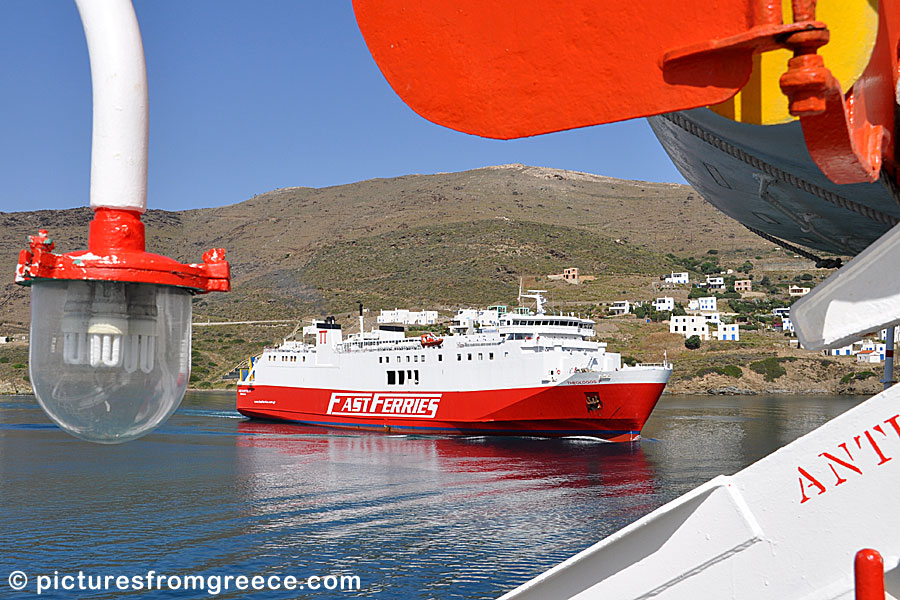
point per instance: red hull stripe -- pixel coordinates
(611, 411)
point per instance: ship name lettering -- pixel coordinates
(399, 404)
(848, 462)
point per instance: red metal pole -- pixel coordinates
(868, 570)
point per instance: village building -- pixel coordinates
(883, 335)
(712, 318)
(730, 332)
(620, 307)
(664, 304)
(743, 285)
(678, 278)
(787, 325)
(688, 325)
(715, 283)
(871, 352)
(848, 350)
(796, 290)
(572, 275)
(705, 304)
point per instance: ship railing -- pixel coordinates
(480, 343)
(381, 345)
(663, 365)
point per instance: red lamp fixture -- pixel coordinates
(111, 327)
(110, 347)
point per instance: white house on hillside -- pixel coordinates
(664, 304)
(620, 307)
(705, 304)
(689, 325)
(848, 350)
(715, 283)
(731, 333)
(712, 318)
(883, 335)
(678, 278)
(871, 352)
(787, 324)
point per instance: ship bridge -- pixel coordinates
(518, 326)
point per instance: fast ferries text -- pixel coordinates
(415, 406)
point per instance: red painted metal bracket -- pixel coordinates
(761, 38)
(844, 145)
(116, 253)
(846, 149)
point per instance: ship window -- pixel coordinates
(480, 356)
(392, 376)
(416, 358)
(459, 357)
(387, 359)
(409, 377)
(440, 358)
(423, 358)
(407, 358)
(470, 356)
(400, 376)
(399, 359)
(505, 354)
(491, 356)
(417, 376)
(380, 359)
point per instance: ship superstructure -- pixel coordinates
(535, 374)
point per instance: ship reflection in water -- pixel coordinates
(413, 517)
(472, 512)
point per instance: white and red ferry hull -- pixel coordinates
(612, 411)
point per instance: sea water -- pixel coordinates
(212, 495)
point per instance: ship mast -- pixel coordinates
(538, 298)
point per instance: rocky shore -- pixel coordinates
(825, 376)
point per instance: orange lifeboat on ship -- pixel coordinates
(429, 340)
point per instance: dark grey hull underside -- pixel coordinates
(764, 177)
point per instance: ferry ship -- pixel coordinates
(533, 374)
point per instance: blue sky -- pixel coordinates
(247, 97)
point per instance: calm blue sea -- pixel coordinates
(213, 494)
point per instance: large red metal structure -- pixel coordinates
(514, 68)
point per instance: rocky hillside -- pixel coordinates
(438, 239)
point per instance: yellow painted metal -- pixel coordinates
(853, 25)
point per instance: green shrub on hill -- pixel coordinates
(770, 368)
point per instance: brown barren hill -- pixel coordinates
(440, 240)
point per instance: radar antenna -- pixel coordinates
(537, 296)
